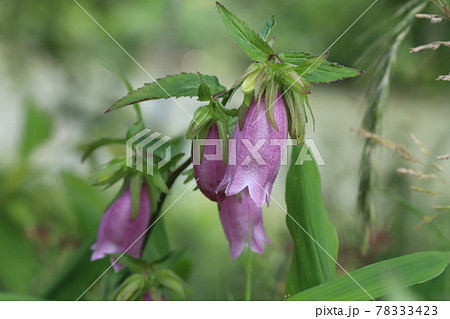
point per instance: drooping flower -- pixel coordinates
(210, 172)
(259, 150)
(118, 231)
(239, 215)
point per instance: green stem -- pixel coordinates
(248, 286)
(137, 109)
(170, 181)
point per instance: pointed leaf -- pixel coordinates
(255, 47)
(327, 71)
(204, 93)
(267, 27)
(180, 85)
(313, 235)
(406, 270)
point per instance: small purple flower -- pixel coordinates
(117, 232)
(238, 214)
(209, 172)
(259, 150)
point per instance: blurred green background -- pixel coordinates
(55, 89)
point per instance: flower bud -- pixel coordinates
(239, 215)
(118, 232)
(209, 172)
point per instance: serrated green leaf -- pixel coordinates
(309, 227)
(180, 85)
(295, 58)
(327, 71)
(407, 270)
(267, 27)
(255, 47)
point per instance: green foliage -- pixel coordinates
(375, 279)
(89, 149)
(38, 128)
(307, 219)
(326, 72)
(204, 93)
(180, 85)
(19, 263)
(78, 274)
(256, 48)
(267, 27)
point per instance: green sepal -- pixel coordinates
(189, 173)
(134, 265)
(310, 111)
(270, 99)
(296, 115)
(311, 65)
(222, 127)
(157, 181)
(135, 190)
(243, 109)
(260, 85)
(169, 259)
(109, 173)
(214, 112)
(252, 68)
(169, 280)
(202, 134)
(202, 117)
(295, 82)
(204, 92)
(133, 288)
(248, 85)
